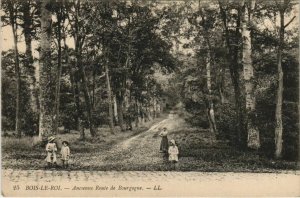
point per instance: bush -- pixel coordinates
(265, 121)
(67, 117)
(30, 124)
(197, 114)
(100, 115)
(226, 121)
(290, 131)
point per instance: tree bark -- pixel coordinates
(115, 108)
(110, 103)
(46, 87)
(279, 96)
(28, 61)
(221, 85)
(12, 13)
(298, 162)
(136, 107)
(253, 140)
(81, 130)
(75, 90)
(210, 109)
(120, 112)
(87, 97)
(93, 87)
(58, 73)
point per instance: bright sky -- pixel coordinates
(7, 42)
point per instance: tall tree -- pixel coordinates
(59, 30)
(210, 107)
(46, 81)
(79, 30)
(282, 6)
(13, 12)
(28, 9)
(232, 38)
(247, 22)
(110, 101)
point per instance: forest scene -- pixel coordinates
(117, 80)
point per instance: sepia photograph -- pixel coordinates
(156, 98)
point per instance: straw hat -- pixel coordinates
(51, 138)
(172, 141)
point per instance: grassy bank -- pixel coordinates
(24, 153)
(106, 152)
(200, 153)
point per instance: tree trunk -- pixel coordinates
(115, 108)
(154, 108)
(58, 76)
(28, 61)
(210, 109)
(120, 112)
(279, 97)
(136, 113)
(81, 130)
(13, 22)
(110, 103)
(75, 88)
(79, 41)
(253, 140)
(222, 97)
(232, 53)
(46, 87)
(298, 162)
(93, 87)
(221, 85)
(86, 96)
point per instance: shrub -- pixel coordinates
(226, 121)
(265, 120)
(290, 131)
(197, 113)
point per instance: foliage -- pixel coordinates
(157, 54)
(29, 117)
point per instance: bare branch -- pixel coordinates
(290, 22)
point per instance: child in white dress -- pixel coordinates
(173, 153)
(51, 152)
(65, 154)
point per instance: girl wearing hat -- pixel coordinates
(51, 151)
(164, 141)
(173, 152)
(65, 153)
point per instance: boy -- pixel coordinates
(65, 153)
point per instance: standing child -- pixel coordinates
(173, 153)
(164, 141)
(65, 154)
(51, 152)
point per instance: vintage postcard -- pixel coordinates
(150, 98)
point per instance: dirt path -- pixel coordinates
(142, 149)
(140, 152)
